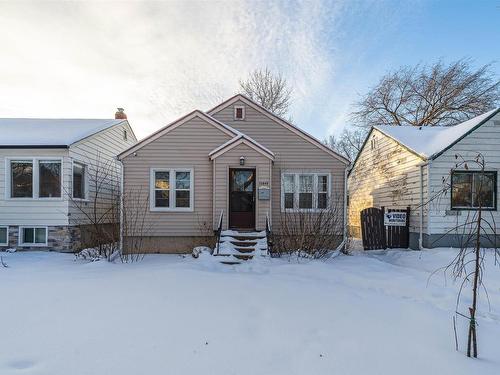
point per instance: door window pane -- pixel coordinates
(243, 181)
(305, 191)
(3, 235)
(79, 171)
(49, 179)
(461, 189)
(21, 179)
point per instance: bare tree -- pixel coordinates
(269, 90)
(348, 143)
(478, 237)
(98, 215)
(429, 95)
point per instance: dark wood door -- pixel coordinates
(242, 198)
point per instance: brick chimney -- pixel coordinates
(120, 114)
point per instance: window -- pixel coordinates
(469, 190)
(22, 179)
(162, 189)
(4, 236)
(125, 135)
(305, 191)
(35, 178)
(239, 112)
(172, 189)
(322, 192)
(288, 190)
(34, 236)
(79, 180)
(49, 178)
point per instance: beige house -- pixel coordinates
(237, 161)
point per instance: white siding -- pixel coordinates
(387, 175)
(100, 151)
(27, 211)
(485, 139)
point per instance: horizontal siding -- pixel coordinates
(99, 152)
(388, 176)
(231, 159)
(186, 146)
(32, 211)
(292, 152)
(485, 139)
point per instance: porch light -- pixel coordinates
(242, 160)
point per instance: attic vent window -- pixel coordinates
(239, 112)
(125, 135)
(373, 143)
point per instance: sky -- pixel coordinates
(160, 60)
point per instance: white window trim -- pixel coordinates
(172, 189)
(242, 107)
(296, 192)
(24, 244)
(7, 237)
(35, 180)
(86, 181)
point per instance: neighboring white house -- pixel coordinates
(400, 166)
(44, 170)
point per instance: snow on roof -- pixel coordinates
(49, 132)
(428, 141)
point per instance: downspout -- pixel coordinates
(421, 224)
(121, 205)
(346, 172)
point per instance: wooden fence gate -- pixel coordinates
(382, 229)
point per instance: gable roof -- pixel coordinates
(306, 136)
(196, 113)
(49, 133)
(431, 141)
(239, 139)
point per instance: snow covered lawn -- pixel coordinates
(371, 313)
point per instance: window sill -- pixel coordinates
(33, 244)
(304, 210)
(473, 209)
(35, 199)
(157, 209)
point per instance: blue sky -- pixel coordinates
(160, 60)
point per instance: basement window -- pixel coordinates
(33, 236)
(4, 236)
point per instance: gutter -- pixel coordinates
(33, 146)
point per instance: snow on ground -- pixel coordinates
(372, 313)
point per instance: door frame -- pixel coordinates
(229, 186)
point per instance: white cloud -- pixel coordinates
(156, 59)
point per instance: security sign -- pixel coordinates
(395, 219)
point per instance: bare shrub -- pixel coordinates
(134, 228)
(310, 233)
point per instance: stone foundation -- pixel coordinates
(59, 238)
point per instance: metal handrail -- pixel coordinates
(268, 234)
(218, 232)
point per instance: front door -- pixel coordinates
(242, 198)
